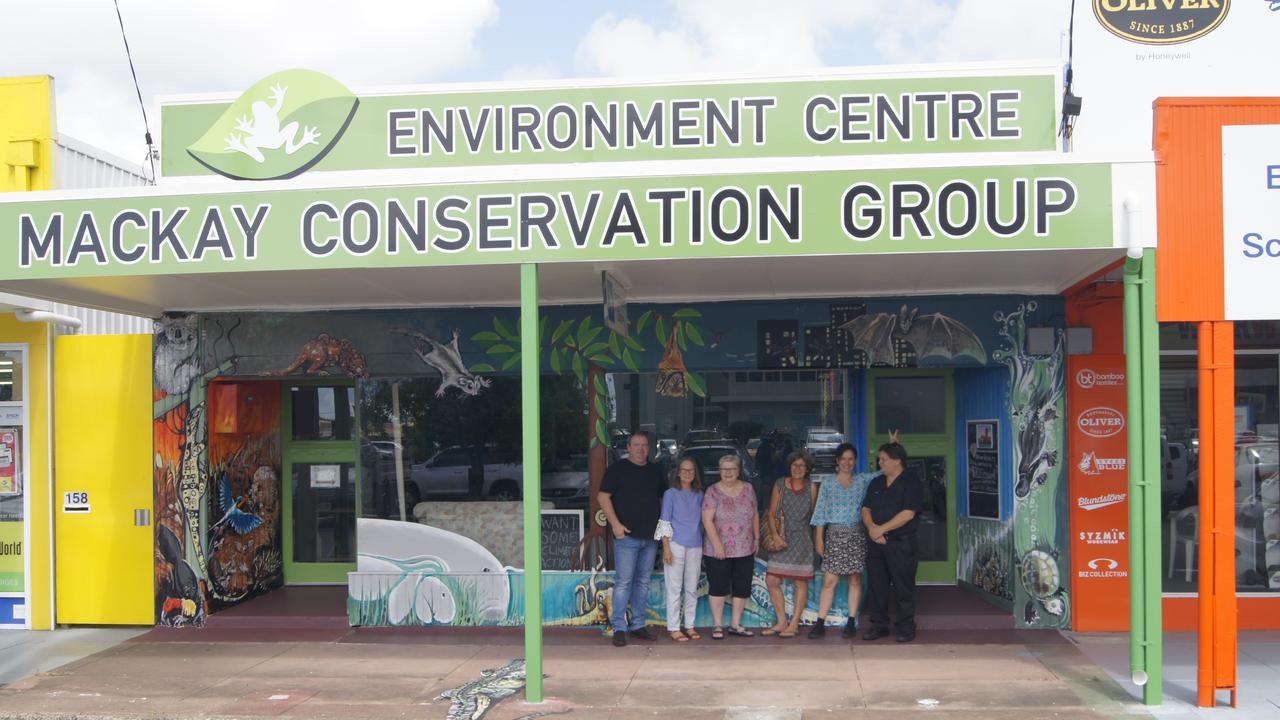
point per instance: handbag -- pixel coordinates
(775, 542)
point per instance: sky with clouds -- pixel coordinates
(184, 46)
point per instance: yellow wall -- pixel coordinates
(26, 133)
(35, 335)
(26, 163)
(102, 446)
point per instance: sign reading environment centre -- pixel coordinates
(296, 120)
(1251, 221)
(833, 212)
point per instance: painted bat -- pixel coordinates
(931, 335)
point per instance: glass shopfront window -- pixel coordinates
(455, 462)
(1257, 458)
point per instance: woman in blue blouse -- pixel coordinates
(839, 537)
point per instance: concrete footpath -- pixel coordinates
(394, 674)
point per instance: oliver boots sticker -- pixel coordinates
(278, 128)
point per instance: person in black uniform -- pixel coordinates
(894, 498)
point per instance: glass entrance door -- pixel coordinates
(320, 500)
(921, 404)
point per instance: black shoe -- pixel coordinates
(850, 628)
(644, 633)
(819, 629)
(875, 633)
(619, 638)
(906, 635)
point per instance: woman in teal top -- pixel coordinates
(840, 538)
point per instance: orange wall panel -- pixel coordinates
(1188, 146)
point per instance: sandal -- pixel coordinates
(717, 633)
(678, 636)
(788, 633)
(692, 634)
(773, 630)
(740, 631)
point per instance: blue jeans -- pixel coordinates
(633, 560)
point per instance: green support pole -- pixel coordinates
(1142, 365)
(1133, 386)
(1153, 691)
(531, 439)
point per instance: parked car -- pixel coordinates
(566, 482)
(705, 437)
(460, 472)
(667, 448)
(821, 443)
(708, 457)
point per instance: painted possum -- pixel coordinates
(446, 359)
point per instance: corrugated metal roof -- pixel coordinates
(1188, 145)
(79, 166)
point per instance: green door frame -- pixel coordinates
(312, 451)
(934, 444)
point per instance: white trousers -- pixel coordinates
(682, 585)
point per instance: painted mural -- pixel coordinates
(430, 382)
(1036, 404)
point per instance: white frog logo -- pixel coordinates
(264, 131)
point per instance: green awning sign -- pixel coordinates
(298, 119)
(834, 212)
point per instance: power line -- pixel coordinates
(151, 153)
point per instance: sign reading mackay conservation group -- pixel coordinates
(835, 212)
(294, 120)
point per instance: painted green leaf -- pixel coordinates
(504, 331)
(602, 406)
(694, 334)
(601, 388)
(278, 128)
(555, 360)
(561, 330)
(511, 362)
(482, 367)
(678, 329)
(595, 348)
(661, 329)
(602, 431)
(633, 343)
(579, 368)
(542, 330)
(696, 383)
(602, 359)
(486, 336)
(614, 346)
(594, 441)
(686, 314)
(630, 361)
(643, 321)
(499, 349)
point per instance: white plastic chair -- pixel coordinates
(1189, 542)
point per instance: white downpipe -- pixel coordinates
(47, 316)
(1133, 236)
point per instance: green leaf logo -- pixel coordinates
(278, 128)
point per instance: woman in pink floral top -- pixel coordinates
(729, 545)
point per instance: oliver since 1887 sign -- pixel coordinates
(1160, 22)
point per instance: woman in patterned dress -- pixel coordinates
(793, 497)
(729, 544)
(839, 537)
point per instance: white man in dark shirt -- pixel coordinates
(631, 497)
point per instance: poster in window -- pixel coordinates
(983, 468)
(10, 477)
